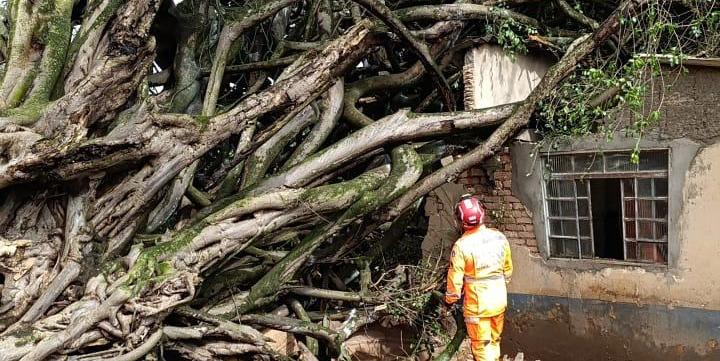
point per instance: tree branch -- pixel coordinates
(333, 295)
(296, 326)
(330, 110)
(312, 344)
(576, 15)
(398, 127)
(461, 12)
(521, 115)
(230, 33)
(143, 349)
(386, 15)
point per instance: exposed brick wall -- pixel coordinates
(491, 182)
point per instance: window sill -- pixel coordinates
(599, 263)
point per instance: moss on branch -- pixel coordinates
(152, 264)
(406, 169)
(56, 44)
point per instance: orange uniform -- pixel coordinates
(480, 267)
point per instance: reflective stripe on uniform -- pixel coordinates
(471, 280)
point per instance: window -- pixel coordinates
(601, 205)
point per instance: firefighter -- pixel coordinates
(480, 267)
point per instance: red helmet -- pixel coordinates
(469, 211)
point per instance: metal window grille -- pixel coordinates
(645, 228)
(644, 203)
(569, 218)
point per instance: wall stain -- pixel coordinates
(545, 328)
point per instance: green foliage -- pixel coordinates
(583, 103)
(575, 108)
(417, 306)
(510, 34)
(581, 106)
(665, 30)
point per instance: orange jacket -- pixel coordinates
(480, 267)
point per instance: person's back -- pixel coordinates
(480, 266)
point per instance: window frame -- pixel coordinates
(577, 218)
(580, 177)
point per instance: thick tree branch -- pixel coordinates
(330, 109)
(399, 127)
(461, 12)
(521, 115)
(259, 162)
(405, 171)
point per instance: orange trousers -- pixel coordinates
(484, 333)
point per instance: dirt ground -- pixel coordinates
(464, 353)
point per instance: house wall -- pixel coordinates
(673, 310)
(690, 95)
(611, 310)
(561, 309)
(492, 78)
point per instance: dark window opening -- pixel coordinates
(607, 218)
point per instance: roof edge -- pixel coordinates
(690, 60)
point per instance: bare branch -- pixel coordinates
(401, 126)
(333, 295)
(296, 326)
(577, 15)
(312, 344)
(228, 36)
(260, 65)
(386, 15)
(143, 349)
(330, 108)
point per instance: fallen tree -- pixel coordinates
(173, 176)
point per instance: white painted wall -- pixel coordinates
(493, 77)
